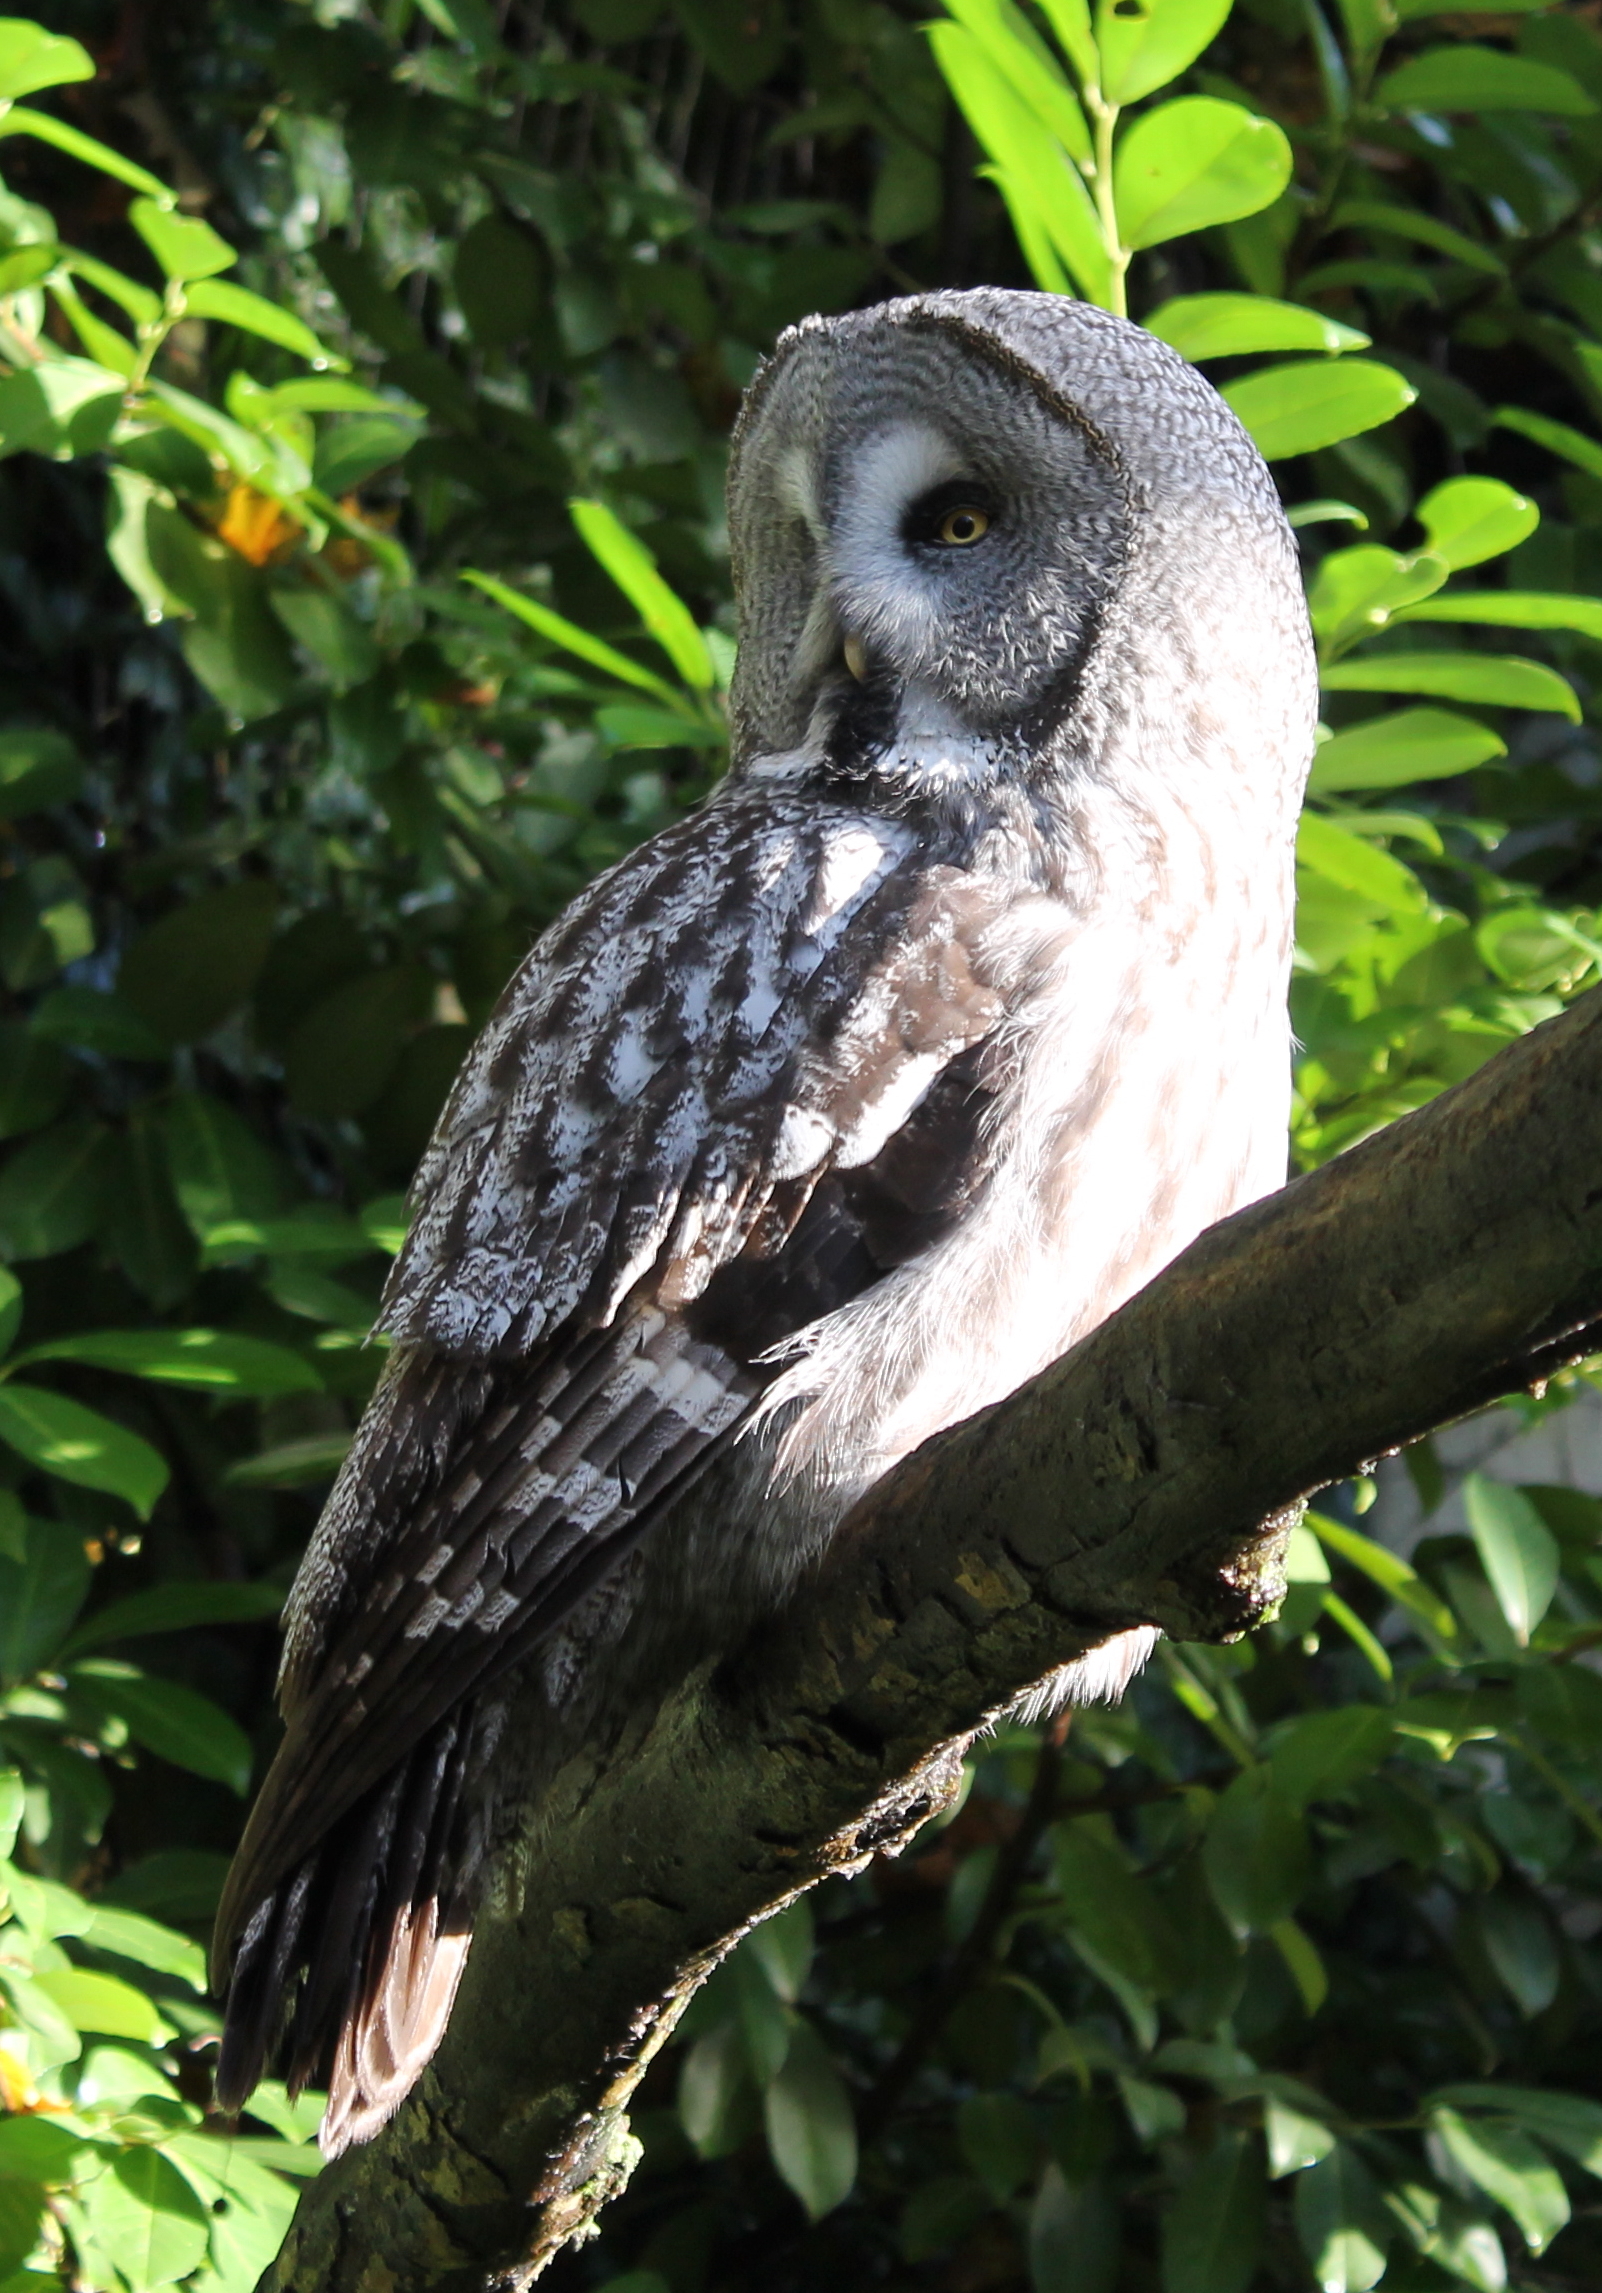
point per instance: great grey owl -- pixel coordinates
(829, 1115)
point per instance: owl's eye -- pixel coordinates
(954, 516)
(961, 526)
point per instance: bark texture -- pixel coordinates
(1145, 1478)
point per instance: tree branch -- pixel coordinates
(1142, 1479)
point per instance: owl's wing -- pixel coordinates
(725, 1093)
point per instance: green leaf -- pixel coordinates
(713, 2079)
(291, 1464)
(1356, 866)
(220, 1170)
(210, 1360)
(90, 1019)
(1517, 1551)
(812, 2135)
(144, 2211)
(1341, 2224)
(1225, 326)
(1073, 2235)
(1255, 1854)
(631, 565)
(1012, 47)
(220, 300)
(1425, 229)
(1570, 2122)
(129, 1935)
(344, 1051)
(627, 725)
(1498, 679)
(1294, 2140)
(1511, 609)
(1320, 1755)
(1358, 590)
(1051, 209)
(1195, 162)
(1212, 2230)
(1522, 1950)
(173, 1608)
(51, 1190)
(1468, 78)
(31, 57)
(1453, 1718)
(38, 767)
(783, 1945)
(338, 641)
(184, 246)
(1145, 46)
(79, 1445)
(41, 1591)
(1392, 751)
(352, 452)
(10, 1307)
(63, 406)
(102, 2003)
(19, 120)
(1000, 2141)
(572, 639)
(33, 1079)
(174, 1722)
(1388, 1570)
(1467, 520)
(1112, 1909)
(1300, 409)
(1510, 2169)
(187, 973)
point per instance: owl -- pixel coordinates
(830, 1115)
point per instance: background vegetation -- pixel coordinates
(1287, 1974)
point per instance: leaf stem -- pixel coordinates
(1104, 118)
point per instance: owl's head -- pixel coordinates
(945, 511)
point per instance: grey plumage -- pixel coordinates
(830, 1115)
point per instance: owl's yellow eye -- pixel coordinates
(962, 526)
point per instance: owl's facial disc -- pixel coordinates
(923, 543)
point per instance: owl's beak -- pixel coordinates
(856, 658)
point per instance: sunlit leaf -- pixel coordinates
(1298, 409)
(184, 245)
(1507, 2165)
(1467, 520)
(1194, 162)
(220, 299)
(1143, 47)
(1224, 326)
(79, 1445)
(1393, 751)
(209, 1360)
(102, 2003)
(1341, 2224)
(31, 57)
(1499, 679)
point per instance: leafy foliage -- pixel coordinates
(361, 525)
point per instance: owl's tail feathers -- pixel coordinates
(345, 1973)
